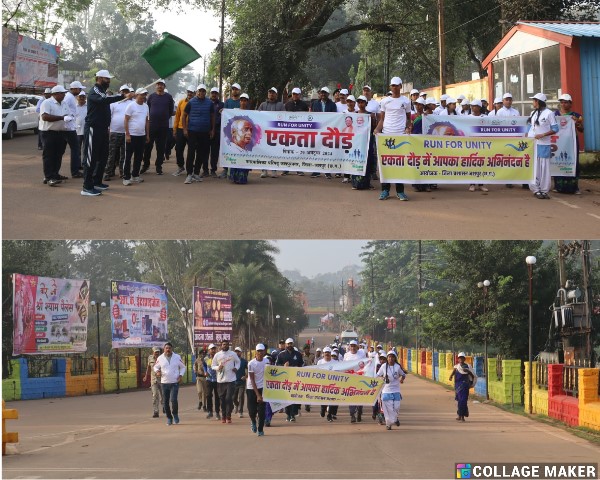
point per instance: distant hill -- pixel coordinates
(322, 288)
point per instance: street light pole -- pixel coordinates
(432, 351)
(93, 303)
(485, 284)
(530, 260)
(402, 327)
(222, 48)
(277, 317)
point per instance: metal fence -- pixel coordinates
(123, 363)
(41, 366)
(570, 380)
(81, 365)
(541, 375)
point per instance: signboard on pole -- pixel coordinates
(213, 319)
(138, 313)
(50, 315)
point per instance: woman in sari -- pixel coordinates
(393, 376)
(464, 379)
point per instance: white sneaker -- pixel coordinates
(483, 189)
(137, 179)
(263, 175)
(188, 180)
(178, 172)
(345, 180)
(196, 178)
(126, 182)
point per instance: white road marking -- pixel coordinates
(564, 202)
(595, 216)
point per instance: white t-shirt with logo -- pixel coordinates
(137, 118)
(258, 368)
(395, 110)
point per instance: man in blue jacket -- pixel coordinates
(199, 128)
(95, 135)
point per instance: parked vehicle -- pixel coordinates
(18, 113)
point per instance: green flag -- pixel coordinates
(169, 55)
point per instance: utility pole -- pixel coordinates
(442, 46)
(222, 47)
(561, 264)
(343, 298)
(585, 260)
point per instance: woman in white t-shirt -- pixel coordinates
(136, 136)
(393, 376)
(543, 124)
(254, 389)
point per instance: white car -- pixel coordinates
(18, 113)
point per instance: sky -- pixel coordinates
(194, 26)
(312, 257)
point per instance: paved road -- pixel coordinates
(275, 208)
(113, 436)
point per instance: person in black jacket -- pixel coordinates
(95, 134)
(290, 357)
(323, 104)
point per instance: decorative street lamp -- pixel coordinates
(402, 327)
(277, 317)
(530, 260)
(432, 351)
(484, 285)
(250, 314)
(98, 306)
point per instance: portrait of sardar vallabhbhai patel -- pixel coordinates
(242, 134)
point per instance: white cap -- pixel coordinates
(351, 98)
(259, 346)
(273, 89)
(124, 87)
(476, 102)
(81, 94)
(237, 349)
(191, 88)
(76, 84)
(391, 352)
(497, 100)
(482, 100)
(141, 90)
(465, 101)
(324, 89)
(444, 97)
(450, 100)
(420, 100)
(506, 95)
(539, 96)
(212, 345)
(353, 342)
(201, 87)
(413, 91)
(461, 97)
(319, 349)
(245, 95)
(160, 80)
(362, 97)
(379, 345)
(423, 94)
(104, 74)
(214, 89)
(429, 100)
(236, 85)
(289, 340)
(48, 90)
(396, 81)
(296, 90)
(367, 87)
(462, 354)
(344, 91)
(327, 349)
(58, 89)
(334, 353)
(566, 97)
(155, 349)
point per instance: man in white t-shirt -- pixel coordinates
(136, 128)
(75, 88)
(442, 106)
(355, 354)
(116, 138)
(372, 104)
(226, 364)
(81, 113)
(170, 369)
(341, 105)
(254, 389)
(507, 109)
(394, 119)
(330, 410)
